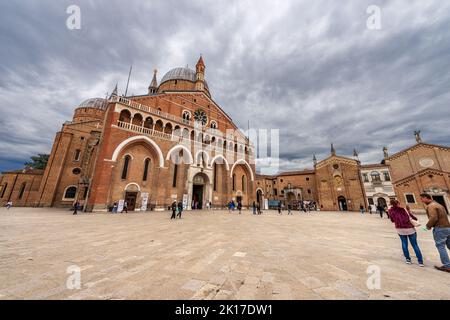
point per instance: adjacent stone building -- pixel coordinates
(377, 183)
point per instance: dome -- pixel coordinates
(179, 74)
(95, 103)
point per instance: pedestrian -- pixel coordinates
(438, 221)
(9, 205)
(380, 209)
(75, 208)
(239, 206)
(174, 210)
(361, 208)
(258, 208)
(115, 208)
(208, 206)
(279, 207)
(125, 207)
(254, 207)
(289, 206)
(403, 220)
(180, 209)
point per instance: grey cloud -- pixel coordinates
(311, 69)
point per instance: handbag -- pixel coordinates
(413, 222)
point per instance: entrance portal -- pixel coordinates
(342, 204)
(130, 198)
(197, 197)
(441, 201)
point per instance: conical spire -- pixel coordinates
(315, 159)
(115, 91)
(200, 61)
(333, 150)
(154, 84)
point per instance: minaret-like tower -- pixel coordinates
(200, 75)
(153, 89)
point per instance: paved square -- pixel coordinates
(209, 255)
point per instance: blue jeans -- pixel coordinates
(413, 239)
(442, 239)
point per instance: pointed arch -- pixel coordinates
(146, 139)
(205, 153)
(184, 148)
(245, 163)
(225, 161)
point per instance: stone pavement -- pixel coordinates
(210, 255)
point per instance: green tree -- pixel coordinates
(38, 162)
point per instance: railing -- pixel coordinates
(147, 131)
(148, 109)
(174, 138)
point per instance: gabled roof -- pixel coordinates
(417, 146)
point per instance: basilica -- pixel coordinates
(175, 143)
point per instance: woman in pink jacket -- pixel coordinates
(406, 230)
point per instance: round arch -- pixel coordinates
(242, 161)
(132, 184)
(178, 147)
(125, 143)
(219, 156)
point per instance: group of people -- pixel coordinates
(232, 206)
(177, 210)
(256, 208)
(303, 206)
(406, 224)
(115, 208)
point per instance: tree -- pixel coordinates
(38, 162)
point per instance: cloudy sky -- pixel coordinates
(312, 69)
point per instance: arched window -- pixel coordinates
(186, 115)
(146, 169)
(125, 116)
(22, 190)
(126, 165)
(70, 193)
(243, 184)
(375, 176)
(138, 120)
(148, 123)
(5, 186)
(234, 182)
(213, 125)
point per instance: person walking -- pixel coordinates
(258, 208)
(125, 207)
(9, 205)
(289, 206)
(254, 207)
(439, 222)
(180, 209)
(361, 209)
(279, 207)
(402, 219)
(380, 210)
(75, 208)
(239, 206)
(174, 210)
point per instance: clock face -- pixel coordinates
(201, 116)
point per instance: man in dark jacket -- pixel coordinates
(438, 221)
(180, 209)
(174, 210)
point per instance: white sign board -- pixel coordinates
(144, 201)
(120, 207)
(185, 201)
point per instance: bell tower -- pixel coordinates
(200, 75)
